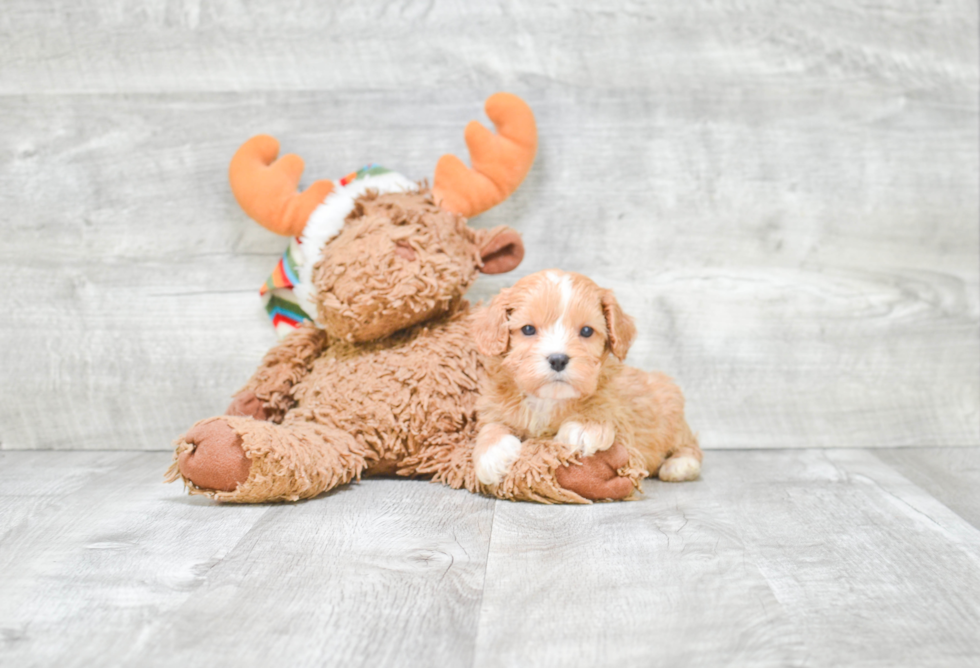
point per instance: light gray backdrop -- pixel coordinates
(785, 195)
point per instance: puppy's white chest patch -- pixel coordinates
(539, 413)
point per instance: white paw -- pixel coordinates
(494, 464)
(679, 469)
(586, 439)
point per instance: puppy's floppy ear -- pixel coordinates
(621, 328)
(490, 328)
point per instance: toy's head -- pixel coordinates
(401, 254)
(553, 331)
(399, 260)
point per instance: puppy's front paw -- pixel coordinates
(586, 438)
(496, 460)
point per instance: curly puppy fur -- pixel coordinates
(555, 342)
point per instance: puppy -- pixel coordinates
(554, 346)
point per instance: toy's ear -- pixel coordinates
(621, 327)
(490, 327)
(501, 249)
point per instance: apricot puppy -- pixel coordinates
(555, 344)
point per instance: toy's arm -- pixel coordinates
(269, 393)
(551, 470)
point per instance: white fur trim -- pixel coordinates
(494, 464)
(679, 469)
(327, 220)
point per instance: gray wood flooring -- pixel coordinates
(785, 195)
(806, 557)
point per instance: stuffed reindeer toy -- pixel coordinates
(377, 372)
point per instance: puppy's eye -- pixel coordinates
(528, 330)
(586, 331)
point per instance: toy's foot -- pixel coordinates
(595, 477)
(246, 404)
(217, 460)
(679, 469)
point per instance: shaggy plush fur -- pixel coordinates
(555, 343)
(394, 403)
(373, 395)
(389, 385)
(431, 252)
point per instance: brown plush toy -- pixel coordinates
(378, 373)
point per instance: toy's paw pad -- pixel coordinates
(217, 460)
(679, 469)
(246, 404)
(595, 477)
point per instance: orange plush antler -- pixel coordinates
(500, 161)
(266, 188)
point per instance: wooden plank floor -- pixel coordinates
(774, 558)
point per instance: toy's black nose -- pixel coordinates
(558, 361)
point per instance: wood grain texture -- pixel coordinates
(383, 573)
(871, 568)
(774, 558)
(94, 549)
(785, 197)
(817, 558)
(225, 45)
(99, 562)
(952, 475)
(659, 582)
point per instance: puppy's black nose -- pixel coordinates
(558, 361)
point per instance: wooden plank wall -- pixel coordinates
(785, 196)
